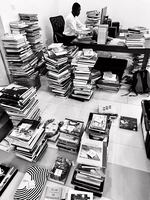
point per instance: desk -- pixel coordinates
(128, 169)
(115, 48)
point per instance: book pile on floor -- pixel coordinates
(93, 18)
(98, 126)
(109, 82)
(21, 59)
(29, 140)
(59, 70)
(83, 63)
(32, 30)
(89, 174)
(20, 102)
(60, 170)
(70, 135)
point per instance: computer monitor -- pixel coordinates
(103, 14)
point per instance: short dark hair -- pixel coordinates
(76, 6)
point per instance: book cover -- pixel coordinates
(91, 153)
(128, 123)
(98, 122)
(32, 184)
(53, 193)
(79, 195)
(60, 170)
(6, 175)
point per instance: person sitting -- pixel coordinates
(73, 26)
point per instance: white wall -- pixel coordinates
(44, 8)
(128, 13)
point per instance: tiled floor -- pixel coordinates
(128, 170)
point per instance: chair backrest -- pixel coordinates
(58, 24)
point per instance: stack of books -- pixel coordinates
(98, 126)
(18, 27)
(20, 57)
(59, 71)
(32, 30)
(93, 18)
(83, 63)
(60, 170)
(70, 135)
(29, 140)
(109, 82)
(20, 102)
(89, 174)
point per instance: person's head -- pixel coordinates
(76, 9)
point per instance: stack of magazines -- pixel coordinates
(59, 71)
(20, 102)
(70, 135)
(32, 30)
(18, 27)
(98, 126)
(83, 63)
(29, 140)
(89, 174)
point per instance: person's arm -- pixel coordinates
(79, 24)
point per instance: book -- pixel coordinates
(98, 122)
(6, 175)
(60, 170)
(79, 195)
(32, 184)
(91, 153)
(128, 123)
(53, 193)
(51, 130)
(73, 127)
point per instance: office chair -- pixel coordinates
(58, 24)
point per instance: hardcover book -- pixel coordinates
(79, 195)
(53, 193)
(60, 170)
(6, 175)
(128, 123)
(32, 184)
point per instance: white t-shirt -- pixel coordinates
(73, 26)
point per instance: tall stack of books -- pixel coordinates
(109, 82)
(59, 71)
(29, 140)
(83, 63)
(93, 18)
(20, 102)
(21, 59)
(70, 135)
(89, 174)
(32, 30)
